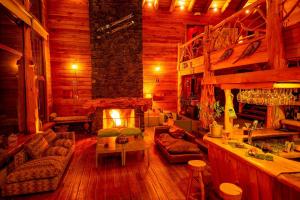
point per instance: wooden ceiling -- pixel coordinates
(198, 7)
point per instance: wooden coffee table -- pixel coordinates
(137, 145)
(113, 147)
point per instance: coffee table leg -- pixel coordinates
(124, 158)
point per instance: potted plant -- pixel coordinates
(215, 128)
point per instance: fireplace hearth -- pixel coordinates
(118, 112)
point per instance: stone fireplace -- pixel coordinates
(117, 69)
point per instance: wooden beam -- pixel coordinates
(172, 6)
(204, 9)
(289, 74)
(224, 7)
(19, 10)
(10, 50)
(233, 6)
(276, 48)
(156, 4)
(191, 5)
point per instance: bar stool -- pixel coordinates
(196, 166)
(229, 191)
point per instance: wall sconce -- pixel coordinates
(157, 69)
(75, 95)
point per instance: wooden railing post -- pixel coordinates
(179, 87)
(207, 88)
(276, 50)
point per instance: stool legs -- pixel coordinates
(201, 186)
(188, 194)
(189, 184)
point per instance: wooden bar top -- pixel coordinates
(273, 168)
(261, 133)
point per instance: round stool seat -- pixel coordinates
(230, 191)
(197, 164)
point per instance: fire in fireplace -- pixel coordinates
(113, 118)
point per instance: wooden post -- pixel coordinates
(179, 84)
(228, 105)
(276, 50)
(32, 117)
(207, 89)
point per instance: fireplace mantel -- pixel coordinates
(119, 103)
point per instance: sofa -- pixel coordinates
(176, 145)
(40, 164)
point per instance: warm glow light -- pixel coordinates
(74, 66)
(150, 4)
(247, 11)
(148, 95)
(157, 68)
(181, 7)
(215, 9)
(115, 115)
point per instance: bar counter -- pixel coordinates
(259, 179)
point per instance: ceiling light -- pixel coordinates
(150, 4)
(215, 9)
(181, 7)
(247, 11)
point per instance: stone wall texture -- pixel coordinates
(117, 69)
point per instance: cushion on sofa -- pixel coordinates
(49, 135)
(177, 132)
(165, 139)
(20, 158)
(67, 143)
(56, 151)
(36, 146)
(108, 132)
(182, 146)
(45, 167)
(130, 131)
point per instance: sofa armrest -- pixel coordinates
(66, 135)
(189, 136)
(160, 129)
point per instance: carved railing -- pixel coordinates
(191, 49)
(290, 12)
(247, 24)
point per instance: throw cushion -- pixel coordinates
(182, 146)
(177, 132)
(49, 135)
(36, 146)
(20, 158)
(108, 132)
(63, 143)
(56, 151)
(45, 167)
(131, 131)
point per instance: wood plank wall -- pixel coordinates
(69, 34)
(68, 23)
(162, 31)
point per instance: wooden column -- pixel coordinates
(207, 89)
(32, 119)
(276, 50)
(228, 105)
(179, 80)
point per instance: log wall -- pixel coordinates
(69, 34)
(162, 31)
(68, 23)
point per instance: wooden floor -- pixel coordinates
(111, 181)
